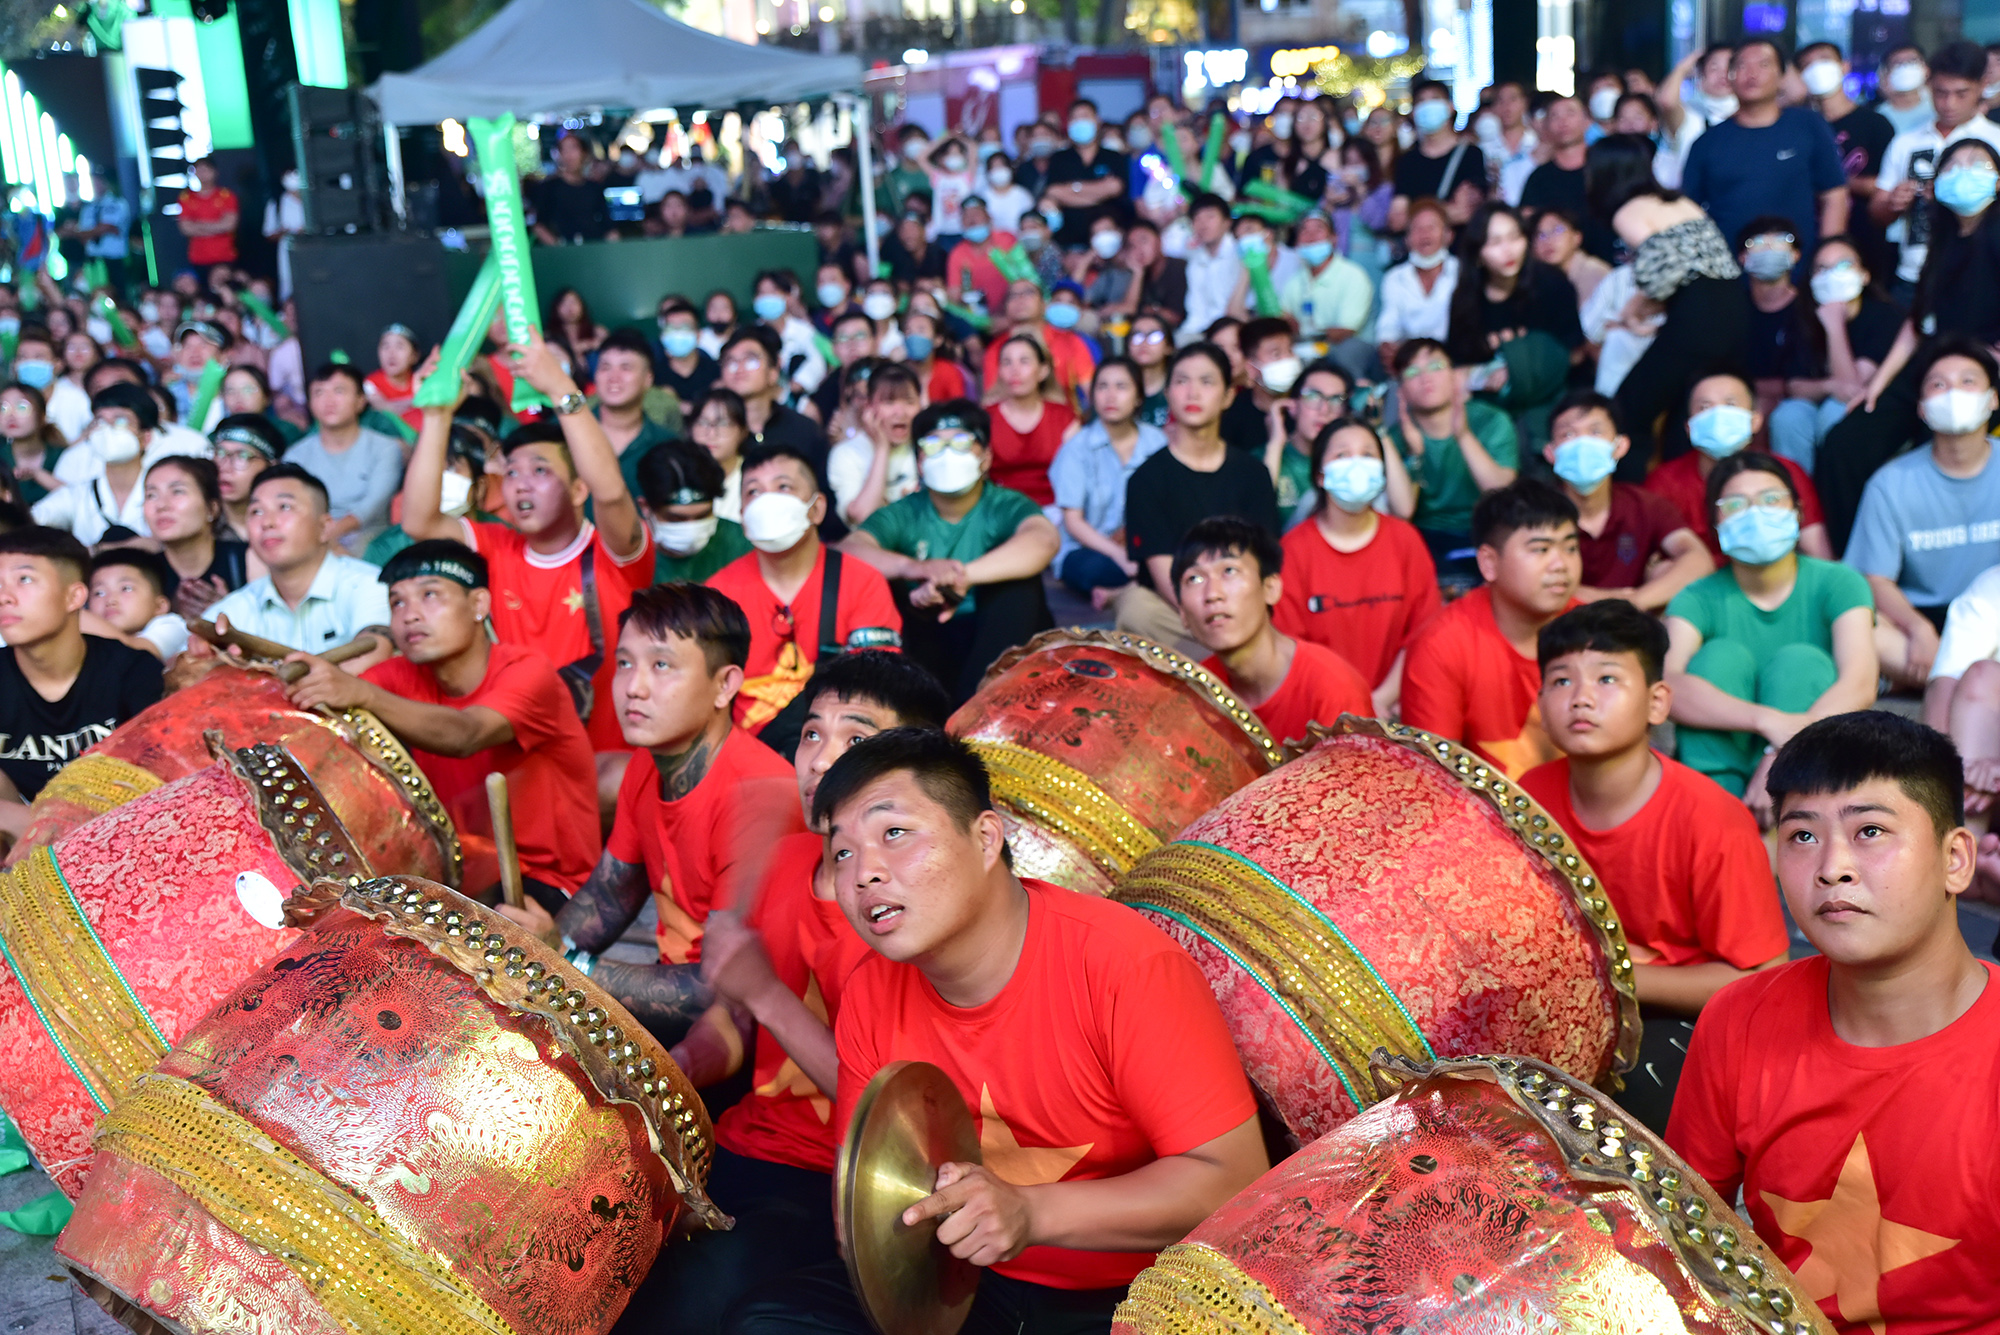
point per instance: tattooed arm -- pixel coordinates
(596, 915)
(666, 998)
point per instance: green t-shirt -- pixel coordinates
(1715, 606)
(912, 527)
(1295, 482)
(1153, 411)
(1446, 491)
(650, 434)
(727, 544)
(32, 492)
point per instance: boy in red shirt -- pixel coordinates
(208, 218)
(562, 583)
(1227, 575)
(1112, 1109)
(1679, 856)
(781, 587)
(467, 707)
(780, 977)
(1471, 675)
(701, 806)
(1853, 1095)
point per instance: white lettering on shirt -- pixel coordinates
(66, 747)
(1956, 535)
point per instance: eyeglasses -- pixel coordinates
(1150, 337)
(237, 456)
(1772, 241)
(938, 441)
(1416, 369)
(1731, 506)
(848, 340)
(750, 363)
(1316, 396)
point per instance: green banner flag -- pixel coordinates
(440, 388)
(205, 391)
(259, 308)
(493, 140)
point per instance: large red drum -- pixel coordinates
(1491, 1195)
(378, 792)
(1390, 889)
(418, 1120)
(128, 930)
(1100, 745)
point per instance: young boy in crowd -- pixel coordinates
(700, 807)
(1062, 1019)
(1471, 674)
(795, 590)
(779, 969)
(1831, 1090)
(60, 690)
(1227, 572)
(965, 554)
(1680, 858)
(1635, 545)
(128, 597)
(467, 707)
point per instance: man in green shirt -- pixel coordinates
(1457, 449)
(624, 376)
(964, 556)
(679, 484)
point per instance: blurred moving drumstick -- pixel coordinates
(256, 646)
(503, 839)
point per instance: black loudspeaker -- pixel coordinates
(337, 143)
(349, 287)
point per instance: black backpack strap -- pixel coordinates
(829, 607)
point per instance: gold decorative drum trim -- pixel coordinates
(97, 783)
(387, 754)
(1086, 815)
(1193, 1289)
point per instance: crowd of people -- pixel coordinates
(1663, 403)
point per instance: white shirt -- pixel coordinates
(168, 634)
(1971, 627)
(88, 508)
(1211, 282)
(1619, 349)
(345, 598)
(1511, 169)
(1916, 153)
(1006, 207)
(847, 465)
(1407, 311)
(80, 463)
(69, 407)
(796, 338)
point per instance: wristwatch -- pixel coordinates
(569, 404)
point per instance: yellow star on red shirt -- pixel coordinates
(573, 600)
(1853, 1246)
(1010, 1160)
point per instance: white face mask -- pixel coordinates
(114, 444)
(1958, 411)
(878, 305)
(1487, 126)
(1279, 375)
(1240, 142)
(1604, 104)
(1430, 261)
(1001, 176)
(1821, 77)
(685, 537)
(1106, 244)
(1840, 283)
(1906, 77)
(455, 494)
(1281, 126)
(951, 472)
(775, 521)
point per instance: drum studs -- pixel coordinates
(1694, 1208)
(646, 1068)
(1539, 821)
(573, 1000)
(515, 954)
(1697, 1235)
(1725, 1239)
(288, 786)
(1754, 1299)
(475, 930)
(612, 1038)
(1778, 1301)
(593, 1017)
(1670, 1180)
(513, 971)
(591, 1036)
(492, 956)
(535, 972)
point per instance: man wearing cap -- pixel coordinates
(1328, 297)
(1025, 312)
(971, 260)
(196, 344)
(467, 707)
(361, 467)
(109, 495)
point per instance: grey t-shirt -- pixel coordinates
(1929, 532)
(361, 480)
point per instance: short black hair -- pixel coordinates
(766, 450)
(282, 471)
(695, 612)
(628, 340)
(1838, 754)
(56, 545)
(328, 370)
(1256, 331)
(967, 414)
(543, 432)
(949, 772)
(1747, 461)
(1208, 351)
(1588, 400)
(1523, 503)
(885, 678)
(130, 398)
(1226, 535)
(150, 564)
(1413, 348)
(1208, 201)
(675, 467)
(1418, 87)
(1784, 61)
(1961, 59)
(408, 563)
(1607, 626)
(1959, 345)
(849, 315)
(895, 376)
(1831, 48)
(1766, 225)
(762, 335)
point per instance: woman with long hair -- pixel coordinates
(184, 515)
(245, 389)
(1360, 193)
(32, 442)
(721, 425)
(1513, 320)
(1028, 427)
(69, 401)
(569, 322)
(719, 318)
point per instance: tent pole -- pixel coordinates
(863, 135)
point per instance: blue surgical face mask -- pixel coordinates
(1053, 216)
(1032, 241)
(1082, 130)
(1316, 253)
(1585, 461)
(1353, 482)
(1721, 431)
(919, 346)
(38, 374)
(1431, 115)
(1062, 315)
(977, 233)
(678, 342)
(769, 306)
(831, 294)
(1757, 536)
(1965, 190)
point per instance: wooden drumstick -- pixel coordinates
(256, 646)
(503, 839)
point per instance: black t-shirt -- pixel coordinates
(1165, 498)
(688, 388)
(1543, 300)
(1419, 177)
(1242, 426)
(907, 268)
(1862, 135)
(1960, 285)
(1068, 166)
(1780, 345)
(1869, 336)
(1551, 187)
(572, 211)
(39, 737)
(1267, 164)
(231, 565)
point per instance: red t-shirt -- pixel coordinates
(213, 206)
(785, 645)
(1682, 483)
(1069, 355)
(1021, 459)
(947, 382)
(390, 390)
(1104, 1052)
(1688, 873)
(972, 256)
(1319, 687)
(538, 601)
(1463, 680)
(1639, 522)
(551, 773)
(784, 1118)
(1870, 1171)
(1363, 605)
(692, 847)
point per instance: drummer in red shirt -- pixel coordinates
(1227, 575)
(1471, 675)
(208, 218)
(782, 588)
(1680, 857)
(780, 975)
(1852, 1095)
(702, 805)
(467, 707)
(1112, 1109)
(561, 582)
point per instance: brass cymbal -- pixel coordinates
(910, 1121)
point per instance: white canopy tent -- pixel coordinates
(540, 58)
